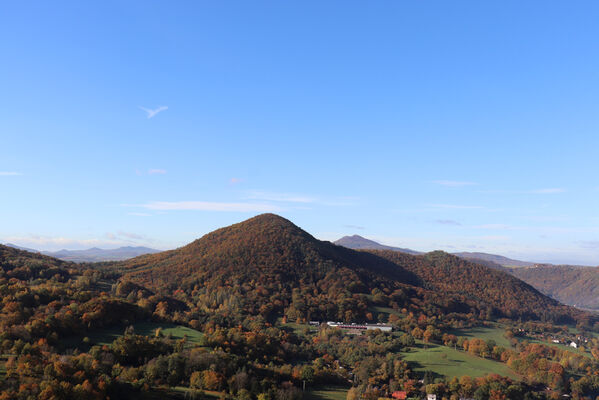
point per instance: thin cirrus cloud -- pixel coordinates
(590, 244)
(152, 113)
(209, 206)
(355, 227)
(280, 197)
(156, 171)
(548, 191)
(450, 183)
(126, 236)
(495, 226)
(10, 173)
(456, 207)
(448, 222)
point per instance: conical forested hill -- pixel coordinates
(260, 249)
(268, 265)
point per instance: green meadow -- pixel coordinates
(486, 333)
(108, 335)
(445, 361)
(327, 393)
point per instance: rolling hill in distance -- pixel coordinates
(358, 242)
(570, 284)
(573, 285)
(93, 254)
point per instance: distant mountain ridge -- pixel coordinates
(494, 258)
(94, 254)
(574, 285)
(358, 242)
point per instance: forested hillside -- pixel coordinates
(503, 294)
(227, 315)
(577, 286)
(262, 262)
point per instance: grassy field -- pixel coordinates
(108, 335)
(298, 329)
(319, 393)
(183, 391)
(384, 310)
(446, 361)
(327, 393)
(485, 333)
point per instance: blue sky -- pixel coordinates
(432, 125)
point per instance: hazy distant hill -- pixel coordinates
(577, 286)
(14, 246)
(358, 242)
(94, 254)
(573, 285)
(494, 258)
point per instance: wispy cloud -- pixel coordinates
(152, 113)
(548, 191)
(10, 173)
(138, 214)
(456, 206)
(156, 171)
(449, 183)
(495, 226)
(210, 206)
(494, 237)
(448, 222)
(280, 197)
(354, 227)
(131, 235)
(235, 181)
(589, 244)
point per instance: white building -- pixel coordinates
(360, 327)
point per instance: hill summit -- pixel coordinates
(264, 245)
(269, 262)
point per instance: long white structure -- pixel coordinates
(363, 327)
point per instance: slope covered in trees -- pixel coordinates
(469, 282)
(23, 265)
(270, 264)
(576, 286)
(237, 289)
